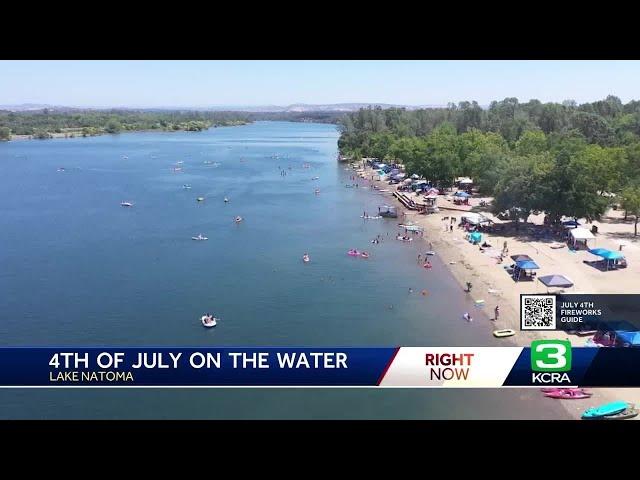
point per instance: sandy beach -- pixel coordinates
(495, 286)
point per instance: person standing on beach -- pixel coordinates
(496, 313)
(419, 258)
(451, 228)
(430, 246)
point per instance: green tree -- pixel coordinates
(630, 201)
(5, 133)
(113, 126)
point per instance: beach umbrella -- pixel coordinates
(527, 265)
(520, 257)
(559, 281)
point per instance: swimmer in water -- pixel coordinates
(467, 317)
(410, 290)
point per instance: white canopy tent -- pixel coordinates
(475, 218)
(580, 235)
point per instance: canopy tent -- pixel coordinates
(399, 175)
(465, 181)
(415, 176)
(522, 266)
(630, 339)
(558, 281)
(606, 254)
(407, 181)
(433, 191)
(461, 194)
(520, 257)
(527, 265)
(581, 235)
(474, 218)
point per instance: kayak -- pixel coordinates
(208, 322)
(200, 237)
(623, 415)
(364, 255)
(505, 332)
(353, 253)
(431, 252)
(605, 410)
(568, 394)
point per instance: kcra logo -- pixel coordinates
(550, 361)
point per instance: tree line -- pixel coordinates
(563, 159)
(44, 123)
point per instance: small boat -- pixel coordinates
(61, 169)
(369, 217)
(305, 258)
(404, 239)
(208, 162)
(177, 169)
(431, 252)
(364, 255)
(505, 332)
(623, 415)
(315, 178)
(317, 191)
(226, 200)
(200, 237)
(568, 394)
(238, 219)
(186, 186)
(179, 163)
(353, 253)
(348, 186)
(209, 321)
(200, 199)
(126, 204)
(605, 410)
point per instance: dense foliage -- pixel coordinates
(563, 159)
(41, 124)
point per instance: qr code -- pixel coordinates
(538, 312)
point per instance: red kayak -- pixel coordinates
(568, 394)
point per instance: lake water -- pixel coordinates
(79, 269)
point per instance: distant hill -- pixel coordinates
(295, 108)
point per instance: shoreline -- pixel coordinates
(65, 136)
(495, 287)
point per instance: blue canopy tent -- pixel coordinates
(608, 255)
(461, 194)
(524, 265)
(628, 339)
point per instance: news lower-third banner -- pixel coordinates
(544, 363)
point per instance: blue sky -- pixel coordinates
(209, 83)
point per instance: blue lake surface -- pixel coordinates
(79, 269)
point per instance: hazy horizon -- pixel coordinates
(250, 84)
